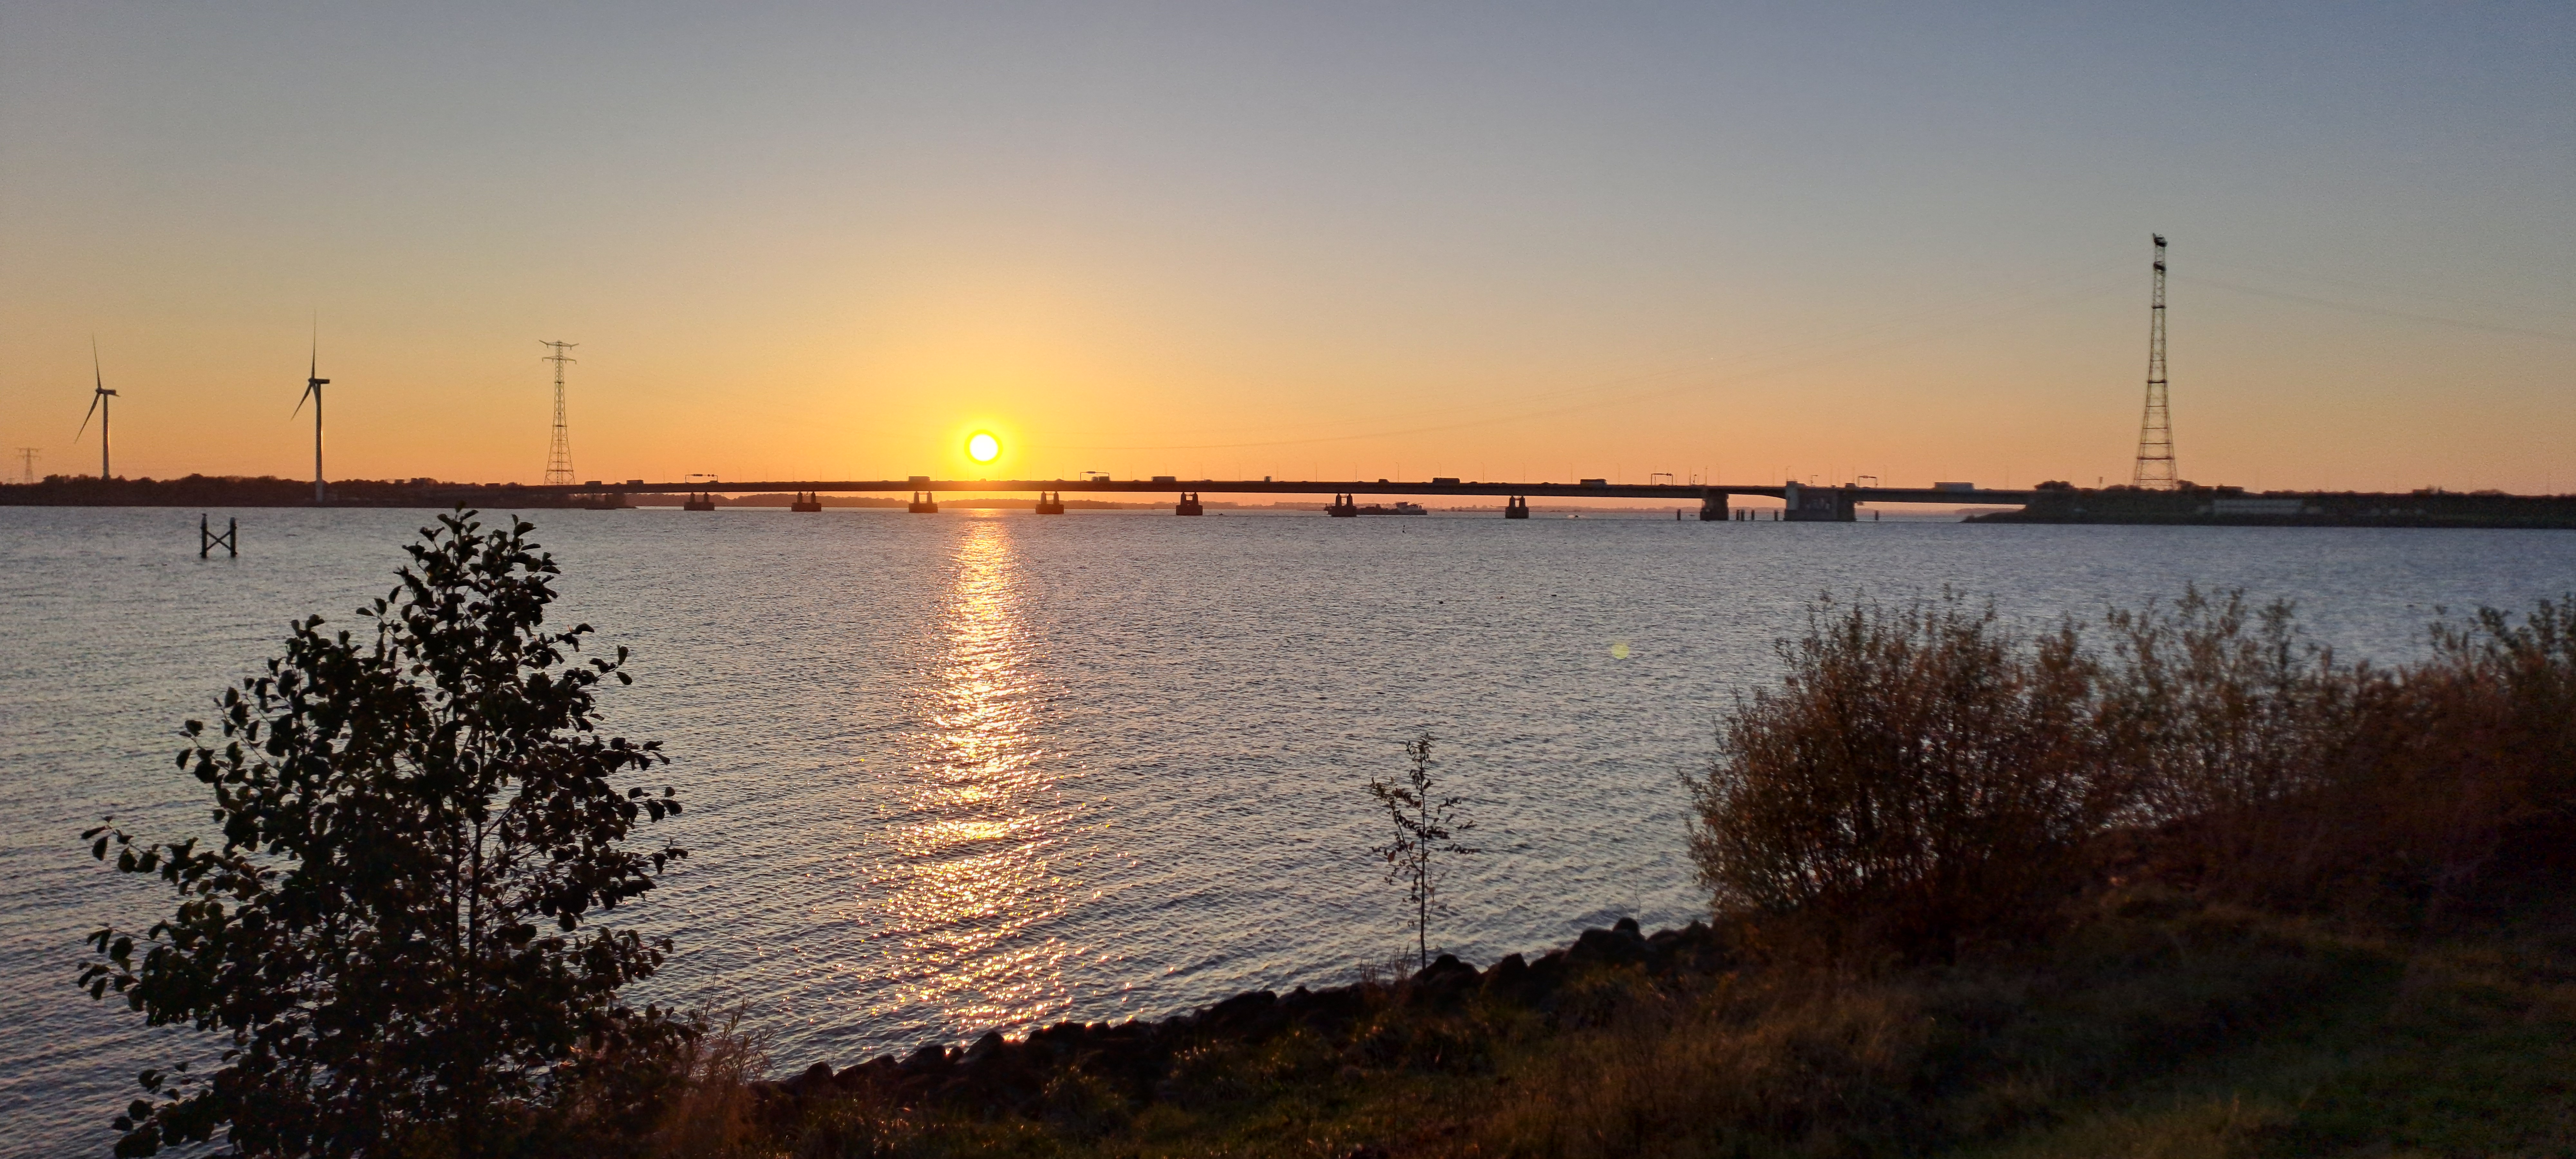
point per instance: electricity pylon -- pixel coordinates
(559, 453)
(2155, 430)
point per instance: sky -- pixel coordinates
(1491, 240)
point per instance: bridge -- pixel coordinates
(1802, 502)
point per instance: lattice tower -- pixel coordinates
(27, 456)
(2155, 430)
(559, 452)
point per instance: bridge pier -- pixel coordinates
(699, 501)
(1516, 508)
(1821, 504)
(1050, 503)
(1189, 504)
(1344, 507)
(1712, 506)
(807, 501)
(923, 504)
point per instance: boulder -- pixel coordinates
(1239, 1011)
(1444, 978)
(816, 1080)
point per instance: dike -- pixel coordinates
(1138, 1055)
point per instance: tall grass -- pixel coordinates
(1924, 776)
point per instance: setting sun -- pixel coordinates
(983, 447)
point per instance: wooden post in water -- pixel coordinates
(207, 540)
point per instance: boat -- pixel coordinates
(1401, 508)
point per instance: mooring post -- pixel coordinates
(207, 539)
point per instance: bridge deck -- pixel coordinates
(1670, 491)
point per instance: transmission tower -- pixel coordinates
(27, 456)
(559, 453)
(2155, 431)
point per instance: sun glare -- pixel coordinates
(983, 447)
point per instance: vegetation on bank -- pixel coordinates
(2176, 883)
(227, 491)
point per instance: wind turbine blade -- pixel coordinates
(94, 397)
(299, 401)
(98, 381)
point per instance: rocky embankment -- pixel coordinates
(1136, 1058)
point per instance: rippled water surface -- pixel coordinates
(989, 769)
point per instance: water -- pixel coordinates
(988, 769)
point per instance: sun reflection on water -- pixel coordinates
(972, 876)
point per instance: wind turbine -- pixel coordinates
(313, 384)
(98, 396)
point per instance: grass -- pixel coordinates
(2457, 1045)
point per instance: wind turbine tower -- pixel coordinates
(313, 384)
(559, 453)
(2155, 430)
(98, 396)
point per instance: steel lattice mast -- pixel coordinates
(559, 453)
(2155, 429)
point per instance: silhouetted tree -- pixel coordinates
(397, 934)
(1427, 827)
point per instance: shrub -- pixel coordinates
(398, 937)
(1919, 777)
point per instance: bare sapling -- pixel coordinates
(1428, 827)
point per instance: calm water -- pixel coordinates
(979, 770)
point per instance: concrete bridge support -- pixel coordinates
(1189, 504)
(1516, 508)
(923, 504)
(1821, 504)
(1344, 507)
(1712, 507)
(807, 501)
(1050, 503)
(699, 501)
